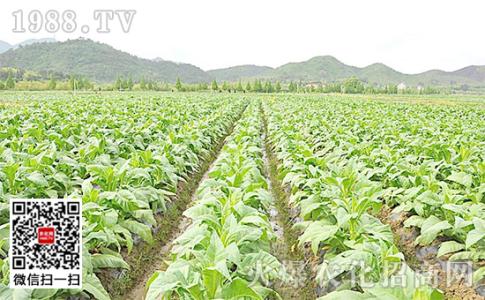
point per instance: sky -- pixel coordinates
(410, 36)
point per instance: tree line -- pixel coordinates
(349, 86)
(10, 80)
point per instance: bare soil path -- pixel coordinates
(301, 285)
(146, 259)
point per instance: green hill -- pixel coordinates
(320, 68)
(4, 46)
(380, 73)
(473, 72)
(328, 69)
(97, 61)
(239, 72)
(103, 63)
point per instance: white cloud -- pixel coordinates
(410, 36)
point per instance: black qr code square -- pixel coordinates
(18, 208)
(45, 234)
(18, 262)
(73, 208)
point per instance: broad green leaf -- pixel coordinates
(414, 221)
(38, 179)
(316, 233)
(431, 230)
(100, 261)
(478, 275)
(212, 280)
(239, 289)
(473, 237)
(449, 247)
(461, 178)
(92, 285)
(141, 229)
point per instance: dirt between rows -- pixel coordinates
(425, 260)
(159, 264)
(298, 263)
(146, 259)
(421, 259)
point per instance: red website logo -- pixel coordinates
(45, 235)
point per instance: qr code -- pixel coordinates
(45, 243)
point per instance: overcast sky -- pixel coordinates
(411, 36)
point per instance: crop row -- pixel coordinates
(225, 253)
(344, 161)
(123, 157)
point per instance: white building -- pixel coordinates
(401, 86)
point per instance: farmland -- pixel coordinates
(238, 196)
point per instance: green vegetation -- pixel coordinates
(327, 69)
(103, 65)
(96, 61)
(349, 86)
(214, 85)
(125, 161)
(351, 172)
(422, 160)
(236, 73)
(222, 252)
(10, 83)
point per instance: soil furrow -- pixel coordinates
(424, 259)
(145, 259)
(297, 264)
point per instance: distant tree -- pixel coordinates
(124, 84)
(143, 84)
(239, 87)
(150, 85)
(81, 83)
(429, 90)
(86, 84)
(391, 89)
(178, 84)
(352, 86)
(2, 86)
(73, 84)
(268, 87)
(225, 86)
(292, 87)
(278, 87)
(214, 85)
(248, 87)
(370, 90)
(320, 88)
(202, 86)
(119, 84)
(52, 83)
(332, 88)
(300, 87)
(10, 83)
(257, 86)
